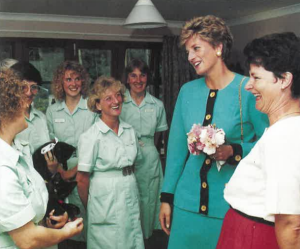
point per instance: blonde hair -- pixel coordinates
(58, 79)
(102, 84)
(211, 29)
(11, 96)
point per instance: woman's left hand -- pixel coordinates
(61, 220)
(51, 161)
(223, 153)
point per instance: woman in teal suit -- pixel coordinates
(147, 115)
(193, 183)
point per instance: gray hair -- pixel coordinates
(7, 63)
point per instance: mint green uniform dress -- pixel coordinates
(147, 119)
(23, 194)
(113, 201)
(37, 132)
(68, 127)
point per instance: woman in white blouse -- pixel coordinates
(264, 191)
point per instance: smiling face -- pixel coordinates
(202, 56)
(72, 84)
(137, 81)
(29, 93)
(110, 103)
(266, 88)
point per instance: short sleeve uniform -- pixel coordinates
(113, 204)
(23, 194)
(147, 119)
(37, 132)
(267, 181)
(67, 127)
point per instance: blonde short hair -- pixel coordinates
(102, 84)
(211, 29)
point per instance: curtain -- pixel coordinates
(176, 71)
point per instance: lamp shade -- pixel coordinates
(144, 15)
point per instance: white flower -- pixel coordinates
(220, 137)
(209, 150)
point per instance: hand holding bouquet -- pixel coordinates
(205, 139)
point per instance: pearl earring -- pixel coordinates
(219, 53)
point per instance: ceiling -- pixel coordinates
(171, 10)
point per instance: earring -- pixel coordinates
(219, 53)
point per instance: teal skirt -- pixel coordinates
(193, 231)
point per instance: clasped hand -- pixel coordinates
(223, 152)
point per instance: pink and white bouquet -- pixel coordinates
(205, 139)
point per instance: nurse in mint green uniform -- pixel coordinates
(148, 117)
(68, 118)
(37, 132)
(106, 181)
(23, 194)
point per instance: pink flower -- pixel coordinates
(205, 139)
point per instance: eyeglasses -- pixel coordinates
(34, 89)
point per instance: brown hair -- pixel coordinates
(211, 29)
(58, 79)
(98, 89)
(136, 64)
(11, 96)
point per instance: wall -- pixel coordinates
(244, 33)
(86, 28)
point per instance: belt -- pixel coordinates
(253, 218)
(126, 171)
(146, 141)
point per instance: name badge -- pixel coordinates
(149, 110)
(59, 120)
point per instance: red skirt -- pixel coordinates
(239, 232)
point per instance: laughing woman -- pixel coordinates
(23, 194)
(193, 181)
(67, 119)
(264, 191)
(106, 181)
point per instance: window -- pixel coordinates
(6, 51)
(143, 54)
(96, 61)
(46, 60)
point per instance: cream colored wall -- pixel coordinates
(64, 27)
(246, 32)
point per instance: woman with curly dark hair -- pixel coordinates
(264, 192)
(68, 118)
(23, 194)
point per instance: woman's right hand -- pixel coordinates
(165, 217)
(73, 228)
